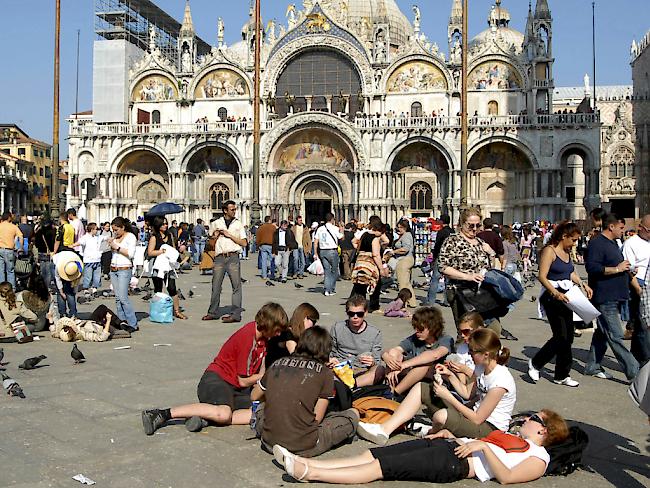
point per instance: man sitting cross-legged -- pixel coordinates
(411, 361)
(224, 390)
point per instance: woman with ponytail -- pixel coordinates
(493, 387)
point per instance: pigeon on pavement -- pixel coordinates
(297, 285)
(12, 387)
(77, 355)
(269, 283)
(31, 363)
(190, 293)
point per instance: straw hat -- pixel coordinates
(69, 266)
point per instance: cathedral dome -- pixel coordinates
(377, 10)
(510, 36)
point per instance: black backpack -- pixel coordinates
(566, 457)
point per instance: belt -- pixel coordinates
(228, 254)
(8, 248)
(282, 248)
(119, 268)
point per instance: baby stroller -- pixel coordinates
(23, 269)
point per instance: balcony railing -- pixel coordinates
(370, 123)
(11, 173)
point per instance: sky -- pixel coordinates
(27, 34)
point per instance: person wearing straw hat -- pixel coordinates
(69, 270)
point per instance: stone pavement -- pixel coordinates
(86, 418)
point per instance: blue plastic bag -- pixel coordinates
(161, 309)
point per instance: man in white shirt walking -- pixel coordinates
(326, 243)
(231, 237)
(636, 250)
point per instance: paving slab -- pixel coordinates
(86, 418)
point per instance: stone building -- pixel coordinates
(31, 173)
(640, 60)
(359, 116)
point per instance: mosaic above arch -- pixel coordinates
(416, 76)
(494, 75)
(221, 83)
(154, 88)
(419, 156)
(313, 148)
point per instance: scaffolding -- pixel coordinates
(130, 20)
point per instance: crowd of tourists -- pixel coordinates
(306, 389)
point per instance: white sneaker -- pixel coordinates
(532, 372)
(328, 294)
(567, 382)
(373, 433)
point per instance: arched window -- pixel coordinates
(219, 193)
(421, 196)
(222, 113)
(622, 163)
(493, 107)
(155, 117)
(416, 109)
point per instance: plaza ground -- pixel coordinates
(86, 418)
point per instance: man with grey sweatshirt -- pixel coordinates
(354, 339)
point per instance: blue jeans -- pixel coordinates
(433, 285)
(199, 245)
(267, 261)
(299, 262)
(47, 269)
(7, 264)
(330, 261)
(69, 300)
(640, 344)
(121, 281)
(92, 275)
(610, 332)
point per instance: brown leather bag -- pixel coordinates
(374, 410)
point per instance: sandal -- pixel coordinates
(179, 315)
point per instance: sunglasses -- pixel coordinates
(355, 314)
(536, 418)
(313, 321)
(473, 226)
(465, 332)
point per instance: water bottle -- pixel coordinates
(253, 421)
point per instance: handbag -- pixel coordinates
(161, 309)
(481, 300)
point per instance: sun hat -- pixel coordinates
(69, 265)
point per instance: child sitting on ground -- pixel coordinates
(296, 391)
(355, 340)
(412, 360)
(224, 390)
(397, 308)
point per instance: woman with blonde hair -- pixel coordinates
(11, 308)
(304, 317)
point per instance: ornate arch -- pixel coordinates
(581, 145)
(508, 140)
(305, 120)
(438, 144)
(520, 72)
(286, 53)
(84, 155)
(296, 184)
(206, 70)
(190, 151)
(153, 72)
(399, 63)
(142, 146)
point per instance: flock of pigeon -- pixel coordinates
(12, 387)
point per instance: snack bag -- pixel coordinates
(344, 372)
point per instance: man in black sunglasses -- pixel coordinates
(355, 340)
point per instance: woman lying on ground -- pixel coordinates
(492, 384)
(507, 458)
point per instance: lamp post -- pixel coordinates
(464, 129)
(54, 192)
(255, 205)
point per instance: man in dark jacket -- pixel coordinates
(442, 235)
(284, 242)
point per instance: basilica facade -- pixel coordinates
(360, 116)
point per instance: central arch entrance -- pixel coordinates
(314, 194)
(142, 176)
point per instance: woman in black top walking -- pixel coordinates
(160, 236)
(556, 274)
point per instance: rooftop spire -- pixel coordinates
(542, 11)
(456, 17)
(187, 29)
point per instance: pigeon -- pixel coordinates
(269, 283)
(180, 295)
(244, 280)
(12, 387)
(147, 296)
(190, 293)
(2, 355)
(31, 363)
(146, 286)
(297, 285)
(77, 355)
